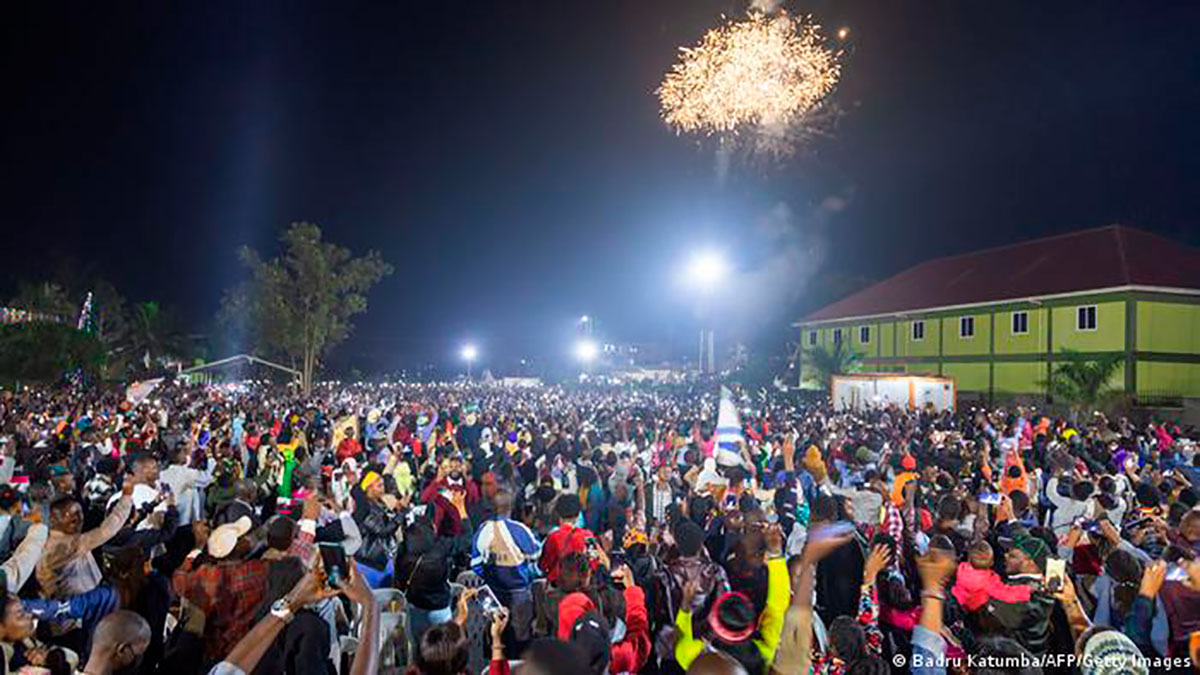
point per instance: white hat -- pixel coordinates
(224, 538)
(709, 476)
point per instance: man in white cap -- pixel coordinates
(229, 589)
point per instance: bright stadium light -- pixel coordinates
(469, 354)
(586, 350)
(706, 270)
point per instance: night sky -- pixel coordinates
(507, 157)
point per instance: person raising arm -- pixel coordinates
(309, 589)
(794, 654)
(928, 645)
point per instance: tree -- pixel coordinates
(153, 333)
(112, 327)
(1083, 382)
(826, 362)
(43, 351)
(46, 298)
(299, 304)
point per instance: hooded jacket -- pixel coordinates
(631, 653)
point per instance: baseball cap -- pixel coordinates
(591, 635)
(223, 539)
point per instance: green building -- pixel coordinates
(997, 319)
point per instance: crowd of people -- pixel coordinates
(456, 529)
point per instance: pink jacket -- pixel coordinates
(974, 587)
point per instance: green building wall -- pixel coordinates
(979, 344)
(1032, 342)
(1158, 334)
(1168, 327)
(887, 339)
(969, 376)
(1109, 335)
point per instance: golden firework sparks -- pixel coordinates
(761, 72)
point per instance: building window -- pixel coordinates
(864, 334)
(837, 336)
(966, 327)
(918, 331)
(1085, 318)
(812, 338)
(1020, 323)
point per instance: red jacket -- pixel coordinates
(566, 539)
(349, 447)
(626, 656)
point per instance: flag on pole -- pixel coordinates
(138, 391)
(729, 431)
(288, 452)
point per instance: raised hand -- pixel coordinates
(354, 588)
(879, 558)
(499, 621)
(821, 542)
(935, 568)
(1152, 578)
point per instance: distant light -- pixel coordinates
(583, 319)
(843, 33)
(469, 352)
(706, 270)
(586, 350)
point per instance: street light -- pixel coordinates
(469, 354)
(705, 271)
(586, 350)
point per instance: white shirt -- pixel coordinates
(188, 484)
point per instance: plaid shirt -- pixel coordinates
(893, 526)
(231, 593)
(824, 663)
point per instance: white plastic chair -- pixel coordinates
(393, 615)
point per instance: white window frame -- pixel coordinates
(837, 336)
(867, 339)
(1013, 323)
(1079, 313)
(913, 331)
(812, 338)
(962, 324)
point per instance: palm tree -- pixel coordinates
(1082, 382)
(825, 362)
(153, 333)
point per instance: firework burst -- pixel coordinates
(762, 76)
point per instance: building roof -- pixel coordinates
(1102, 258)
